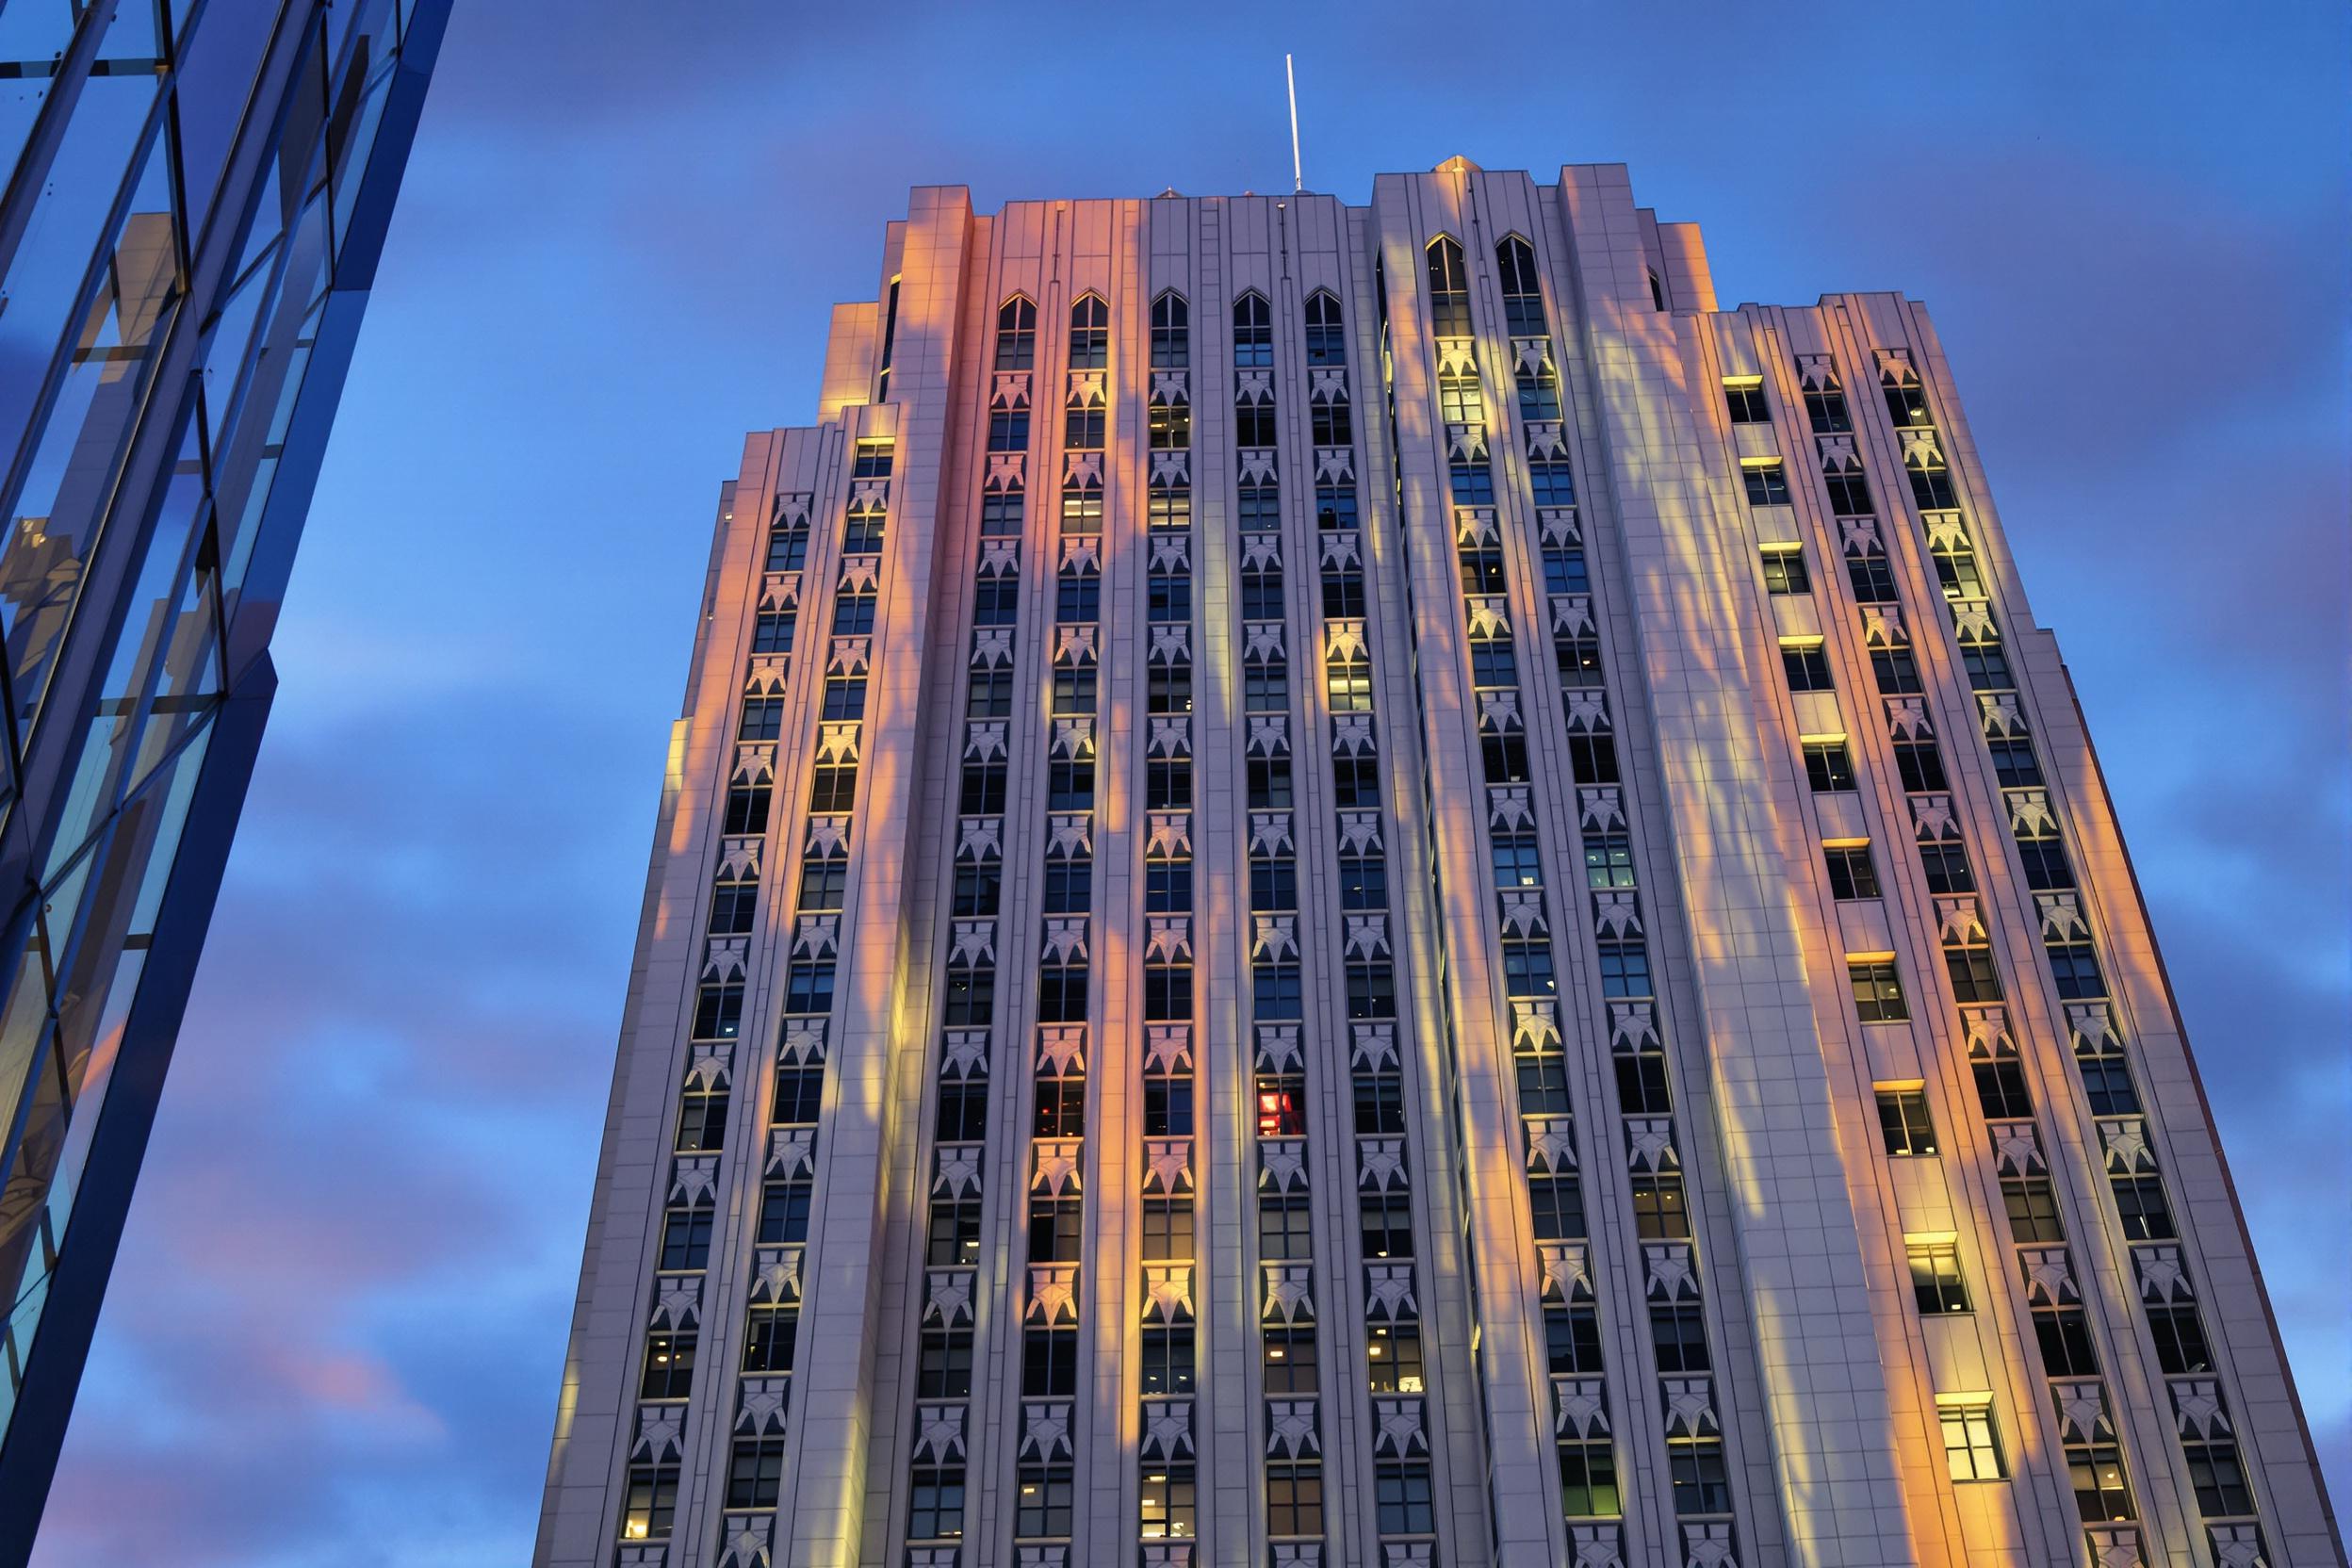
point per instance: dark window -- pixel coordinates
(1274, 991)
(1851, 873)
(1877, 990)
(808, 989)
(1090, 334)
(2140, 1207)
(718, 1012)
(2107, 1084)
(1873, 578)
(1167, 1107)
(1826, 413)
(2044, 861)
(1543, 1086)
(2180, 1336)
(1808, 667)
(2014, 762)
(747, 809)
(1166, 1228)
(1168, 885)
(1746, 403)
(1625, 969)
(1401, 1500)
(769, 1333)
(1060, 1108)
(1517, 861)
(2001, 1092)
(1388, 1226)
(1362, 882)
(1680, 1332)
(1987, 670)
(1571, 1339)
(1522, 291)
(1379, 1103)
(1895, 670)
(1972, 974)
(2064, 1336)
(1557, 1203)
(1171, 333)
(2075, 969)
(963, 1114)
(1167, 1360)
(824, 884)
(2218, 1476)
(1767, 485)
(686, 1239)
(955, 1232)
(1848, 492)
(1053, 1232)
(702, 1120)
(1947, 869)
(1044, 1503)
(1642, 1088)
(1828, 767)
(1009, 430)
(1449, 313)
(1016, 334)
(935, 1502)
(2032, 1210)
(944, 1368)
(1921, 765)
(1700, 1483)
(799, 1090)
(1286, 1228)
(1588, 1480)
(2101, 1493)
(1069, 886)
(1253, 331)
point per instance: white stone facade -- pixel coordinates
(1359, 885)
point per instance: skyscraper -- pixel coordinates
(197, 194)
(1362, 885)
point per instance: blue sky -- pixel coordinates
(336, 1328)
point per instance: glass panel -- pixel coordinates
(36, 1206)
(70, 216)
(191, 682)
(351, 134)
(218, 60)
(248, 465)
(62, 505)
(32, 39)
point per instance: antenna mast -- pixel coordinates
(1298, 181)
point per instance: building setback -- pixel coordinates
(1359, 886)
(196, 198)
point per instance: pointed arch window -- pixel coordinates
(1327, 340)
(1253, 331)
(1016, 334)
(1172, 332)
(1090, 334)
(1449, 289)
(1523, 292)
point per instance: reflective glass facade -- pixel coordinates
(197, 192)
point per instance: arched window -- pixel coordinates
(1253, 331)
(1326, 342)
(1449, 289)
(1172, 332)
(1016, 334)
(1090, 334)
(1522, 293)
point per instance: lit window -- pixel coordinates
(1937, 1284)
(1971, 1447)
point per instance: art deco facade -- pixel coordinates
(1361, 886)
(196, 194)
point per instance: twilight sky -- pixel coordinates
(337, 1325)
